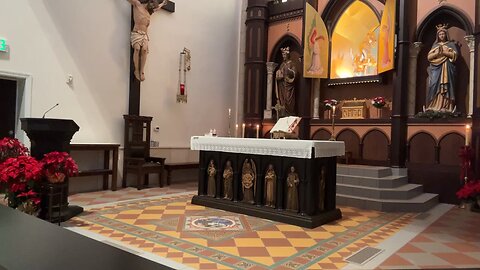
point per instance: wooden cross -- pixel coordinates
(134, 90)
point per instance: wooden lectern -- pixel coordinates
(48, 135)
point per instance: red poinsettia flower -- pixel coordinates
(11, 148)
(469, 191)
(55, 163)
(20, 175)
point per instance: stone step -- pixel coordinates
(390, 181)
(363, 170)
(420, 203)
(404, 192)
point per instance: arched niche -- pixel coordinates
(322, 134)
(449, 147)
(375, 146)
(296, 53)
(352, 142)
(422, 148)
(459, 27)
(354, 43)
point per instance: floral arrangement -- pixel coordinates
(329, 103)
(57, 165)
(20, 177)
(378, 102)
(470, 191)
(11, 148)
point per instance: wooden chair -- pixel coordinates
(136, 157)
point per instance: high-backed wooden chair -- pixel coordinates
(136, 157)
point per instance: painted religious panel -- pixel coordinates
(355, 43)
(386, 39)
(316, 45)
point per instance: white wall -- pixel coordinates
(89, 39)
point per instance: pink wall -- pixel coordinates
(425, 7)
(277, 30)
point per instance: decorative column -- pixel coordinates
(471, 45)
(267, 113)
(407, 17)
(412, 76)
(316, 98)
(255, 60)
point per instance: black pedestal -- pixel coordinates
(48, 135)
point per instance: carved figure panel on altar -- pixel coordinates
(249, 178)
(228, 181)
(212, 174)
(270, 186)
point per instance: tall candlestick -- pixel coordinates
(258, 131)
(236, 130)
(243, 130)
(468, 132)
(229, 120)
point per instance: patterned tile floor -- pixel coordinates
(162, 228)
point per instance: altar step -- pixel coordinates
(381, 188)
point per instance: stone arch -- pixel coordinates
(375, 145)
(351, 140)
(449, 146)
(422, 148)
(321, 134)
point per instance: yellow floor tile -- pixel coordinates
(320, 235)
(302, 242)
(289, 228)
(281, 251)
(249, 242)
(270, 234)
(263, 260)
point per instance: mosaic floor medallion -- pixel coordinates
(212, 223)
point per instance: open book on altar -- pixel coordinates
(286, 124)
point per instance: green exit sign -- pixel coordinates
(3, 45)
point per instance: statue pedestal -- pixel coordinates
(267, 114)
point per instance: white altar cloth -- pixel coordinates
(279, 147)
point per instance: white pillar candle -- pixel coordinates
(243, 130)
(236, 130)
(258, 131)
(468, 132)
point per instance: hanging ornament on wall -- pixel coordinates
(183, 67)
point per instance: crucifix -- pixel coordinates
(141, 12)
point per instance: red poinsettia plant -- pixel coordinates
(11, 148)
(379, 102)
(57, 165)
(470, 191)
(20, 178)
(329, 103)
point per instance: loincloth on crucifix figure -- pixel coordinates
(142, 10)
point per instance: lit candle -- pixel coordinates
(236, 130)
(243, 130)
(258, 131)
(468, 131)
(229, 112)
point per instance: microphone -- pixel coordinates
(50, 109)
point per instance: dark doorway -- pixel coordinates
(8, 90)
